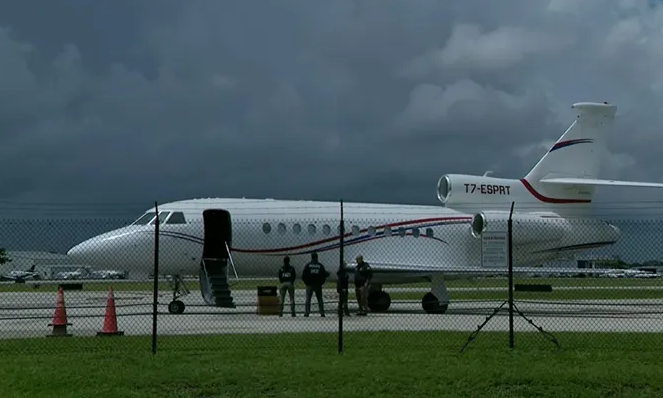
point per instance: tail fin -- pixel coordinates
(580, 150)
(570, 169)
(577, 154)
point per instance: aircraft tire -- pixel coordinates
(379, 301)
(176, 307)
(432, 305)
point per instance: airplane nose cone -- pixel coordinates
(74, 252)
(124, 248)
(84, 252)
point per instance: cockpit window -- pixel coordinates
(145, 218)
(162, 217)
(177, 218)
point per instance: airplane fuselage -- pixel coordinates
(262, 232)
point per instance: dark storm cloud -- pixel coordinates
(362, 100)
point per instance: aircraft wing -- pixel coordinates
(427, 270)
(591, 181)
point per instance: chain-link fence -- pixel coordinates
(222, 273)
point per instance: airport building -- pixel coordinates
(600, 262)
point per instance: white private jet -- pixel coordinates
(210, 237)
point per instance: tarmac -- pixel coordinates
(28, 314)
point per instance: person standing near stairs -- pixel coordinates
(314, 276)
(287, 277)
(363, 276)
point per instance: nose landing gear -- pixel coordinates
(179, 290)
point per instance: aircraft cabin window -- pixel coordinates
(355, 230)
(144, 219)
(387, 231)
(162, 217)
(401, 232)
(311, 229)
(415, 232)
(266, 228)
(296, 228)
(429, 232)
(371, 231)
(281, 228)
(177, 218)
(326, 229)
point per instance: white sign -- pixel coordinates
(494, 249)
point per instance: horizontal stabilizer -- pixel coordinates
(597, 182)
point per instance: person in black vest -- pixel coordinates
(342, 290)
(314, 276)
(287, 277)
(363, 276)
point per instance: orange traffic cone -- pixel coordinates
(110, 319)
(59, 317)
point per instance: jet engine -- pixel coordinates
(460, 190)
(527, 228)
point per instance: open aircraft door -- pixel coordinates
(217, 258)
(217, 235)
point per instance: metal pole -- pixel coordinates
(156, 280)
(509, 248)
(341, 267)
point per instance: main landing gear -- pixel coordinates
(179, 290)
(434, 302)
(378, 299)
(432, 305)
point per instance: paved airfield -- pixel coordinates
(27, 314)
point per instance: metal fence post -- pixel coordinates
(155, 288)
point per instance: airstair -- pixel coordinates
(217, 270)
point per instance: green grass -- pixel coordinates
(602, 288)
(252, 284)
(562, 295)
(387, 364)
(51, 286)
(565, 295)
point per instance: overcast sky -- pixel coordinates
(128, 101)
